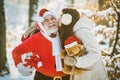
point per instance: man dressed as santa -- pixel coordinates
(46, 45)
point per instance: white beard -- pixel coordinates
(49, 32)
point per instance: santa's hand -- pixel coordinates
(70, 61)
(34, 61)
(25, 71)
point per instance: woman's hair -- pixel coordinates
(67, 30)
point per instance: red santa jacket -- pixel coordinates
(43, 47)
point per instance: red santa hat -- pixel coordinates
(71, 41)
(41, 15)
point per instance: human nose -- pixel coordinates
(50, 21)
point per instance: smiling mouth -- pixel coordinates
(52, 25)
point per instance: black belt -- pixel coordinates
(40, 76)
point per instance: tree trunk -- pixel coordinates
(116, 38)
(3, 58)
(72, 3)
(101, 3)
(116, 7)
(32, 7)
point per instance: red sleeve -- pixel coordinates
(24, 47)
(16, 54)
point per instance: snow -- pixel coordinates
(16, 22)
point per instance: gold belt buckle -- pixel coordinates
(57, 77)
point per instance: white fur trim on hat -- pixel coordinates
(50, 13)
(41, 18)
(66, 19)
(71, 44)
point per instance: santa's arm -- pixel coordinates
(21, 49)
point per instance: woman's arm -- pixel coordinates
(82, 30)
(92, 47)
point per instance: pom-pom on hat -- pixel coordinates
(71, 41)
(66, 19)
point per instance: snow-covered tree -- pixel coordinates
(3, 59)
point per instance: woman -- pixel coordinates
(91, 63)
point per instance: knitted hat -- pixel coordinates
(71, 41)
